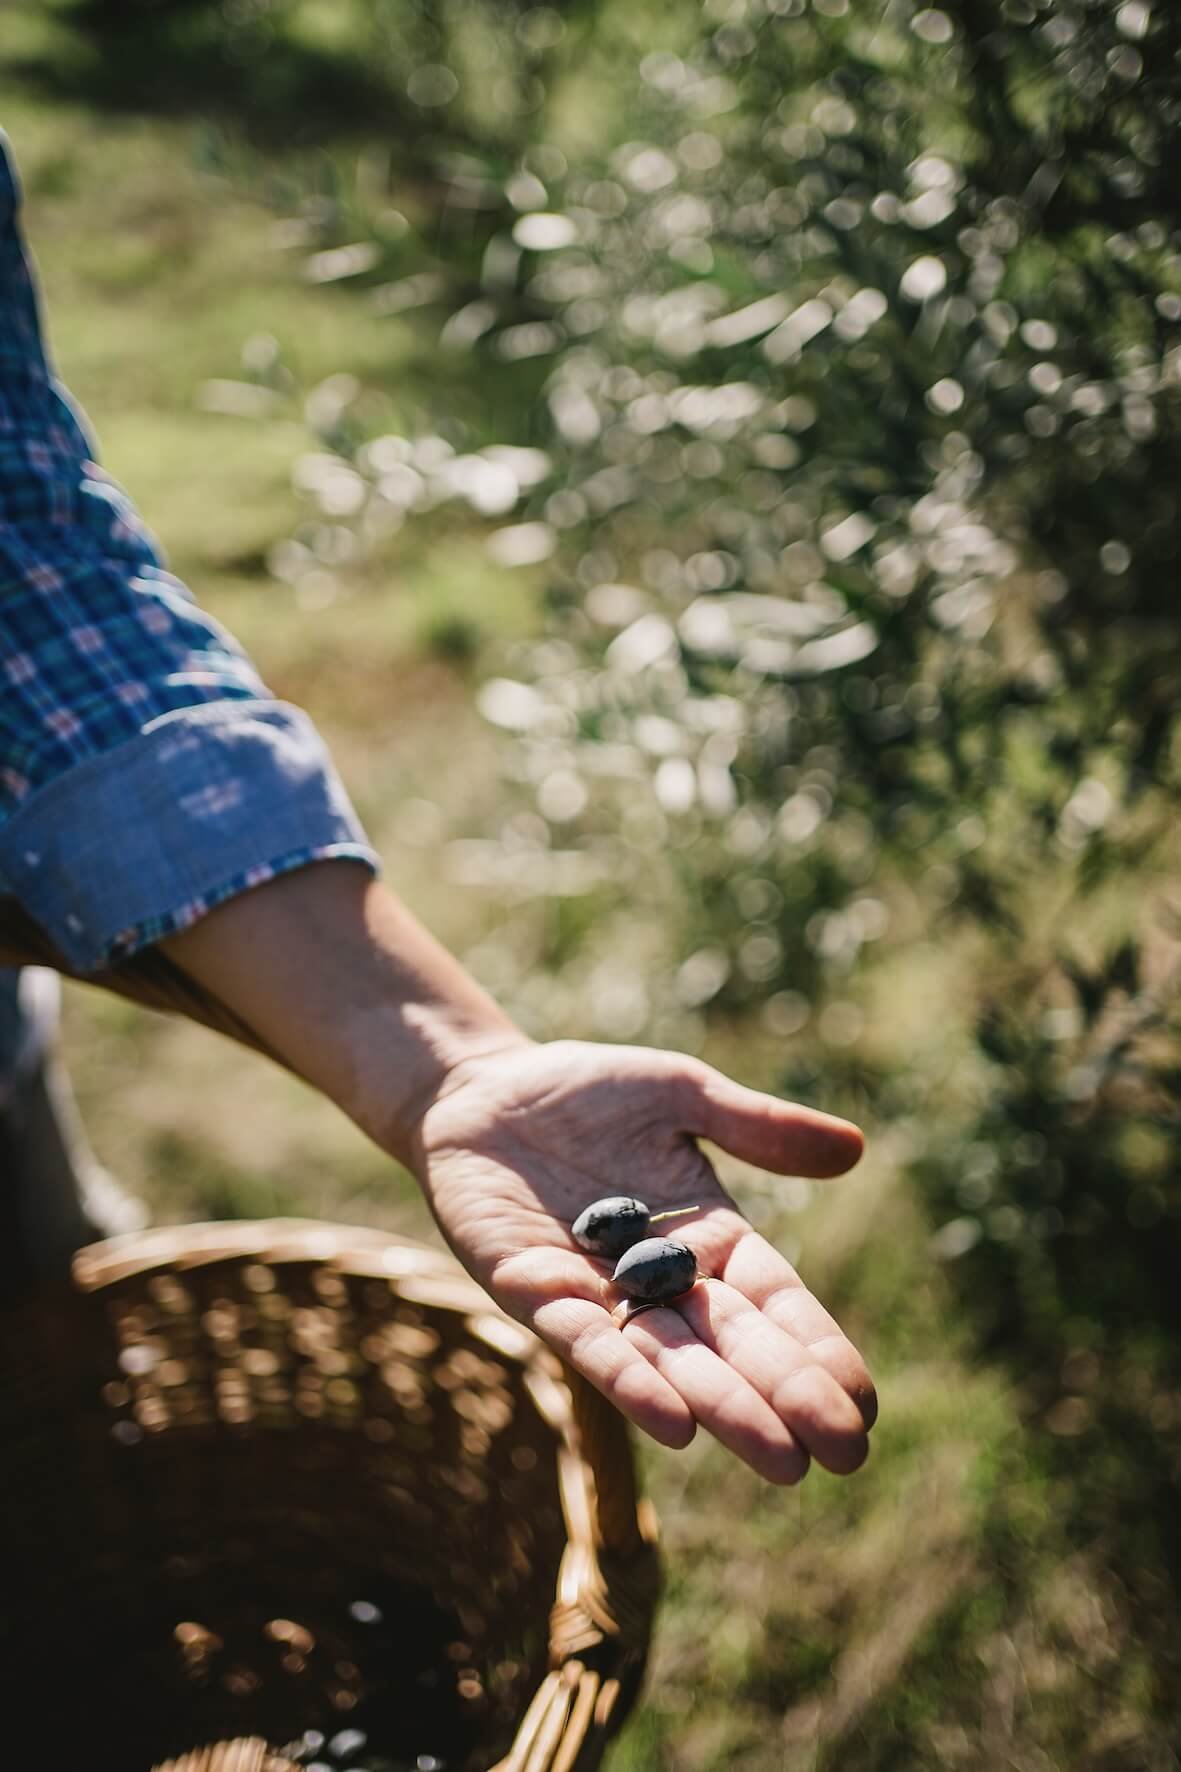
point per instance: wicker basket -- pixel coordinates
(271, 1484)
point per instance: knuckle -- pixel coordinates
(689, 1073)
(805, 1390)
(584, 1341)
(813, 1396)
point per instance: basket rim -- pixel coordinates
(357, 1249)
(597, 1646)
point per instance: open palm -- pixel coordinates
(520, 1141)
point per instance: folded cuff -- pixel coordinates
(143, 839)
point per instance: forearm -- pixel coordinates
(339, 979)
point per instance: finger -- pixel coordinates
(731, 1410)
(778, 1135)
(761, 1274)
(559, 1296)
(806, 1397)
(586, 1338)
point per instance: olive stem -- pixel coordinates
(673, 1212)
(630, 1308)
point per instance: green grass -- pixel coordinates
(155, 273)
(927, 1613)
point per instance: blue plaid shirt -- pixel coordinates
(146, 774)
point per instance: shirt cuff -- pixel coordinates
(143, 839)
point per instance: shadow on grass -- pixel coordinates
(186, 60)
(1117, 1484)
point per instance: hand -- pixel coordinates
(517, 1142)
(510, 1140)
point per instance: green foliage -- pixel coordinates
(839, 384)
(820, 367)
(877, 417)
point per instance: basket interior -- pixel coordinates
(275, 1497)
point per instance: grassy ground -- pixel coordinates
(927, 1612)
(134, 242)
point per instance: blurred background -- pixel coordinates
(711, 469)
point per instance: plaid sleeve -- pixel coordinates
(146, 773)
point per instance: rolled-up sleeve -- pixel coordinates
(146, 772)
(138, 842)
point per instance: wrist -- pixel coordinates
(348, 989)
(441, 1052)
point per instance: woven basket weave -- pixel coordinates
(270, 1483)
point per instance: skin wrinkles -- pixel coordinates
(510, 1140)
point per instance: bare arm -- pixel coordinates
(348, 987)
(510, 1140)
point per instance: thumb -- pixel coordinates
(778, 1135)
